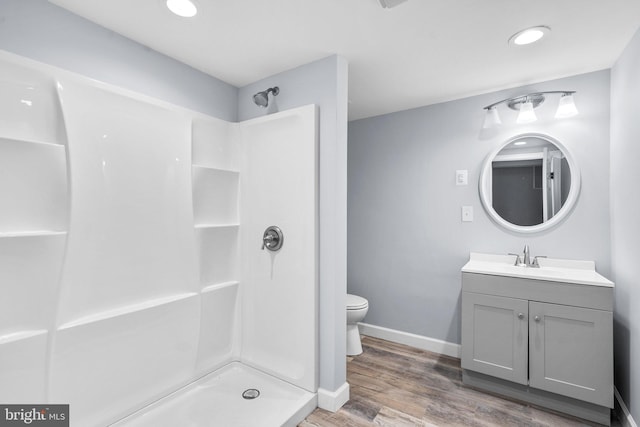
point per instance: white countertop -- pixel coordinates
(555, 270)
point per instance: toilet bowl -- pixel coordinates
(357, 308)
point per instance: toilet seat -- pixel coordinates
(354, 302)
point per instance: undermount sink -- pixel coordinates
(555, 270)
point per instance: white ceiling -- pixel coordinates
(418, 53)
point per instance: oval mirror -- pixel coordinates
(529, 183)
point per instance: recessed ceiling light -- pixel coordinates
(184, 8)
(529, 35)
(520, 143)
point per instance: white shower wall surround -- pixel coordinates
(130, 245)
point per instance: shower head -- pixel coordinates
(262, 98)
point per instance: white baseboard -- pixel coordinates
(333, 400)
(625, 418)
(418, 341)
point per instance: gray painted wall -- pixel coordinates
(323, 83)
(625, 221)
(406, 241)
(47, 33)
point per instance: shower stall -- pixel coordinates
(136, 284)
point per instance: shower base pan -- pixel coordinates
(233, 396)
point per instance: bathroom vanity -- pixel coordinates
(543, 335)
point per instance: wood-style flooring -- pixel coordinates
(395, 385)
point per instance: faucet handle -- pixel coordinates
(535, 260)
(518, 262)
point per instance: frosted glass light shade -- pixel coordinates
(566, 107)
(526, 115)
(492, 119)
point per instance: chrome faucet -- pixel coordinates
(526, 259)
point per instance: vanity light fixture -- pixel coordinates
(526, 104)
(184, 8)
(526, 114)
(566, 106)
(492, 119)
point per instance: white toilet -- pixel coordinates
(357, 308)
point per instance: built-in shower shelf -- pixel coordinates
(215, 195)
(218, 253)
(205, 226)
(21, 335)
(33, 185)
(126, 309)
(12, 140)
(197, 166)
(31, 233)
(216, 286)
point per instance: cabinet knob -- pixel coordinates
(520, 316)
(536, 318)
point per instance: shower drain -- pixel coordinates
(250, 393)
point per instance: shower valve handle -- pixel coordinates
(266, 240)
(272, 238)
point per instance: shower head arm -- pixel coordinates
(262, 98)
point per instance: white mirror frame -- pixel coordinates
(485, 187)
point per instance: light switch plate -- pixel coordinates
(467, 213)
(462, 177)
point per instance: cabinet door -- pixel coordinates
(494, 336)
(571, 352)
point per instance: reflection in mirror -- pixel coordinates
(529, 183)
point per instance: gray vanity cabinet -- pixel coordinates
(571, 351)
(495, 336)
(539, 336)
